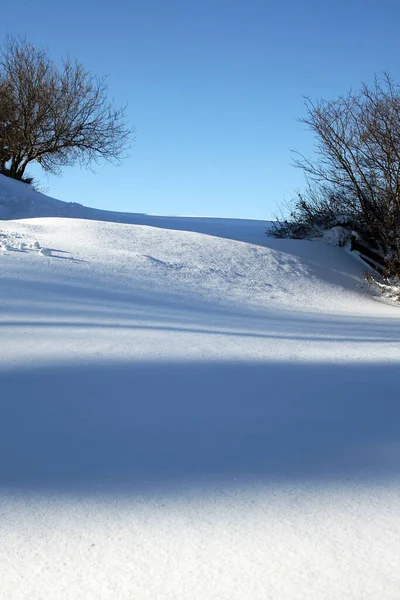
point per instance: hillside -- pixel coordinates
(190, 409)
(20, 201)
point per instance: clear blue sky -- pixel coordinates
(214, 89)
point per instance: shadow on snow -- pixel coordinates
(146, 426)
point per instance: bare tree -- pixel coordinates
(358, 157)
(6, 123)
(57, 116)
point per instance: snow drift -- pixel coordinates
(191, 410)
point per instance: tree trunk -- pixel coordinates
(17, 167)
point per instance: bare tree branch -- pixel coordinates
(55, 116)
(358, 157)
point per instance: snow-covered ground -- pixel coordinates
(191, 410)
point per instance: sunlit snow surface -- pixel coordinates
(187, 416)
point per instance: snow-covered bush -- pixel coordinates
(389, 287)
(314, 212)
(336, 236)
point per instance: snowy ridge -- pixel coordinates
(192, 416)
(20, 201)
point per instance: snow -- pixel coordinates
(19, 200)
(337, 236)
(190, 409)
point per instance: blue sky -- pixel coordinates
(214, 89)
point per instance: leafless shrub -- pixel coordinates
(312, 212)
(356, 168)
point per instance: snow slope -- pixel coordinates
(19, 201)
(193, 416)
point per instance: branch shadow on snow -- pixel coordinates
(148, 426)
(66, 305)
(302, 333)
